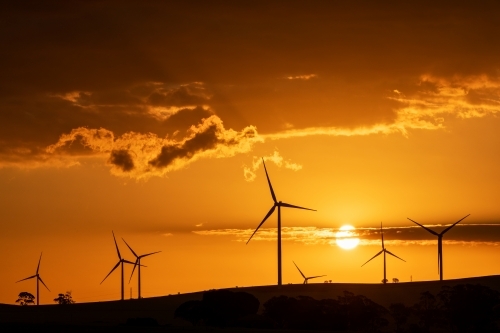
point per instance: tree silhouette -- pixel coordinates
(64, 298)
(349, 312)
(470, 308)
(400, 313)
(25, 298)
(219, 308)
(428, 311)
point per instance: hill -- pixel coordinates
(112, 313)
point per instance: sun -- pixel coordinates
(346, 237)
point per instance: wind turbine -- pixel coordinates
(306, 278)
(138, 263)
(278, 204)
(440, 243)
(38, 278)
(120, 261)
(384, 250)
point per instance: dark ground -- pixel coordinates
(112, 316)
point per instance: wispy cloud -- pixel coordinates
(435, 99)
(471, 235)
(250, 171)
(302, 77)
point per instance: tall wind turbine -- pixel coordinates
(440, 243)
(278, 204)
(306, 278)
(120, 261)
(384, 250)
(138, 263)
(38, 278)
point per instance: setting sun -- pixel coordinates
(346, 237)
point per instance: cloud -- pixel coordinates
(435, 99)
(184, 131)
(141, 156)
(302, 77)
(470, 235)
(156, 99)
(128, 75)
(249, 172)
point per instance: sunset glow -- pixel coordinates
(152, 121)
(346, 237)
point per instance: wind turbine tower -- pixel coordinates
(38, 279)
(278, 204)
(440, 243)
(384, 251)
(121, 261)
(138, 263)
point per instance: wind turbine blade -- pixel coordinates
(145, 255)
(429, 230)
(116, 266)
(26, 278)
(299, 270)
(117, 250)
(264, 220)
(133, 270)
(38, 267)
(372, 258)
(269, 181)
(392, 254)
(451, 226)
(292, 206)
(129, 247)
(317, 276)
(39, 278)
(132, 263)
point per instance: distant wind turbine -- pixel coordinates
(38, 278)
(440, 243)
(120, 261)
(384, 250)
(306, 279)
(278, 204)
(138, 263)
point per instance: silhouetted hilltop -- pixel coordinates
(162, 309)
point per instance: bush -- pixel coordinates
(64, 298)
(25, 298)
(470, 308)
(221, 308)
(348, 312)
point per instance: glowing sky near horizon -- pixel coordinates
(152, 122)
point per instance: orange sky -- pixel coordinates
(151, 119)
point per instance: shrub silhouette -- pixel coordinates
(428, 311)
(362, 313)
(25, 298)
(142, 322)
(470, 308)
(461, 308)
(400, 313)
(191, 311)
(220, 308)
(353, 312)
(64, 298)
